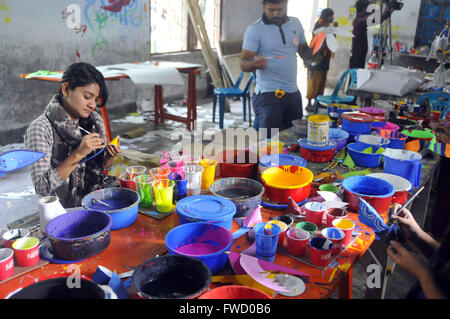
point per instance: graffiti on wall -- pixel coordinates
(97, 15)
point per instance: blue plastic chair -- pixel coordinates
(223, 93)
(335, 98)
(438, 102)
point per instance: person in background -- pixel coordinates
(317, 74)
(270, 48)
(61, 133)
(360, 44)
(433, 275)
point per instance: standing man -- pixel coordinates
(360, 44)
(270, 48)
(317, 74)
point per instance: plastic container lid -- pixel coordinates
(206, 208)
(282, 159)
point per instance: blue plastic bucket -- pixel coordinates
(206, 208)
(364, 159)
(125, 200)
(397, 139)
(204, 241)
(404, 163)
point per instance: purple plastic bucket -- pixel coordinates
(79, 234)
(204, 241)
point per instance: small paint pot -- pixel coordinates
(285, 219)
(282, 235)
(336, 236)
(6, 263)
(26, 251)
(134, 171)
(180, 189)
(314, 212)
(209, 172)
(266, 244)
(347, 226)
(145, 190)
(163, 190)
(335, 213)
(309, 227)
(320, 251)
(12, 235)
(126, 182)
(329, 188)
(297, 241)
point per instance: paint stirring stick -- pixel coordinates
(103, 203)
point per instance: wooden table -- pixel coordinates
(190, 69)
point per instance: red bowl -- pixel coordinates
(381, 205)
(229, 166)
(281, 196)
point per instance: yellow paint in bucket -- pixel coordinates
(209, 172)
(318, 130)
(25, 243)
(345, 224)
(283, 178)
(282, 225)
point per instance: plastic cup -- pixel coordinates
(329, 188)
(134, 171)
(209, 172)
(145, 190)
(6, 263)
(10, 236)
(309, 227)
(160, 173)
(347, 226)
(297, 241)
(191, 160)
(163, 190)
(314, 212)
(335, 213)
(266, 243)
(320, 251)
(126, 182)
(26, 251)
(193, 174)
(282, 235)
(180, 189)
(336, 236)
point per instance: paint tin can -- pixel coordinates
(318, 127)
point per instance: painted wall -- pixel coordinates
(237, 15)
(404, 24)
(35, 35)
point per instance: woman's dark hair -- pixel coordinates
(82, 74)
(361, 5)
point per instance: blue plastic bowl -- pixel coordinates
(340, 137)
(204, 241)
(356, 128)
(126, 199)
(364, 159)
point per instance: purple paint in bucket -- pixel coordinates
(204, 241)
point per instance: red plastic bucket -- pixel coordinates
(6, 263)
(26, 251)
(238, 163)
(234, 292)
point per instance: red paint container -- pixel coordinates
(6, 263)
(297, 241)
(238, 163)
(320, 251)
(26, 251)
(317, 156)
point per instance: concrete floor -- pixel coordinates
(18, 199)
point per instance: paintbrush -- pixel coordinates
(85, 131)
(404, 205)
